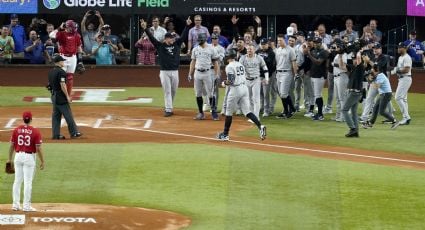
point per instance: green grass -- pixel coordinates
(231, 188)
(404, 140)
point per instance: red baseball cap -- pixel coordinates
(27, 115)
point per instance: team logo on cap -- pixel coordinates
(51, 4)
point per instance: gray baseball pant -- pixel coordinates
(401, 96)
(340, 89)
(170, 83)
(351, 103)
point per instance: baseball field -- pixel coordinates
(305, 175)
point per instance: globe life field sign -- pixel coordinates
(77, 6)
(153, 3)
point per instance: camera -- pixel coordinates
(104, 42)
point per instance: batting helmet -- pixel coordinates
(202, 37)
(231, 54)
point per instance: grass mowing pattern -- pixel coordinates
(231, 188)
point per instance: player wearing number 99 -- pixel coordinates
(237, 96)
(26, 143)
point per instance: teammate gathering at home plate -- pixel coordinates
(293, 67)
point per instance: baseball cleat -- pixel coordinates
(318, 117)
(405, 122)
(309, 114)
(281, 116)
(199, 116)
(395, 124)
(327, 110)
(367, 125)
(263, 132)
(266, 114)
(222, 137)
(168, 114)
(352, 133)
(30, 209)
(76, 135)
(16, 208)
(387, 122)
(215, 116)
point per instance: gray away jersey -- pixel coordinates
(253, 65)
(284, 58)
(204, 56)
(238, 71)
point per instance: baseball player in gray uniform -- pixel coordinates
(404, 73)
(216, 78)
(237, 96)
(340, 77)
(203, 57)
(286, 67)
(253, 63)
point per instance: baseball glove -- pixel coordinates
(80, 69)
(9, 168)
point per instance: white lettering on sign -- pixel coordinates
(85, 3)
(63, 220)
(119, 3)
(420, 2)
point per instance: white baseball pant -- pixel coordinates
(24, 172)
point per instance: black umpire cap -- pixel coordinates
(58, 58)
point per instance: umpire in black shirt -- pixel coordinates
(354, 88)
(61, 100)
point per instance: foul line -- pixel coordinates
(278, 146)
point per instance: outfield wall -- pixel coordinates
(126, 76)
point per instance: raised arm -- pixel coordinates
(144, 27)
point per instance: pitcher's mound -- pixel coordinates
(87, 216)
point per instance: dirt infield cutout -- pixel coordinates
(60, 216)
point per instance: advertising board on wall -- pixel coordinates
(225, 7)
(416, 8)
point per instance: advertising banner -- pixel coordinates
(416, 8)
(18, 6)
(226, 7)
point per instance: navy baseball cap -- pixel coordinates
(240, 38)
(300, 33)
(377, 46)
(413, 32)
(317, 40)
(334, 32)
(214, 36)
(264, 41)
(13, 16)
(401, 45)
(168, 35)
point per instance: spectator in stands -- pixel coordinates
(89, 30)
(35, 51)
(377, 35)
(18, 33)
(368, 35)
(326, 38)
(103, 50)
(193, 33)
(157, 30)
(50, 43)
(249, 40)
(146, 51)
(223, 41)
(170, 27)
(39, 26)
(254, 34)
(351, 34)
(7, 45)
(115, 40)
(415, 49)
